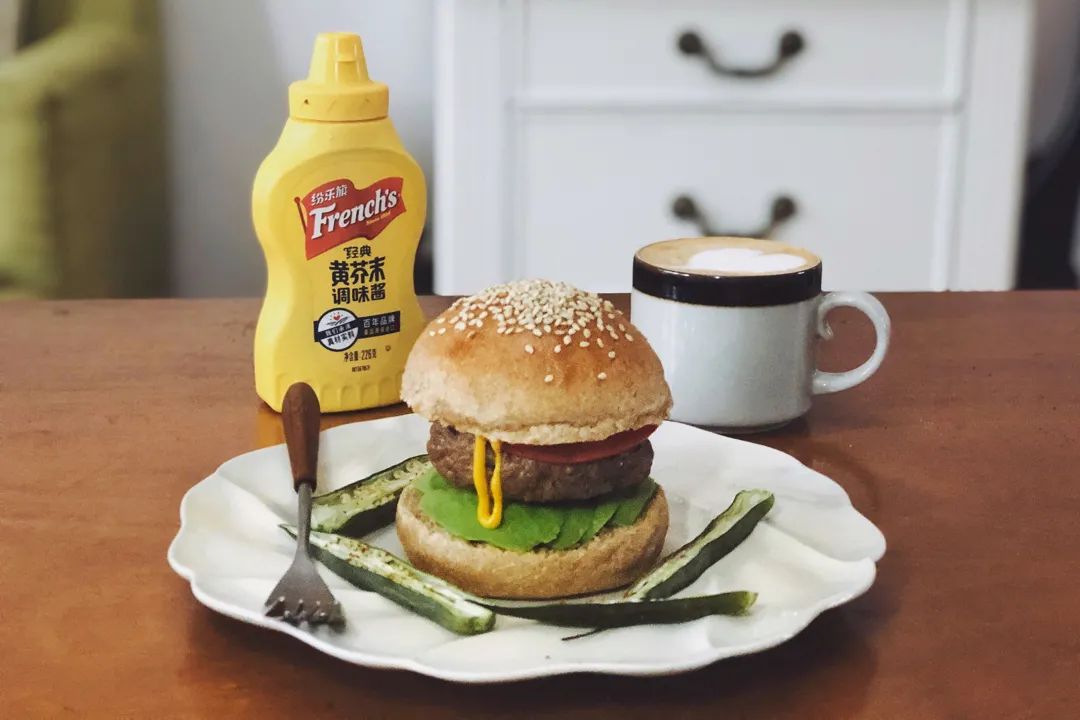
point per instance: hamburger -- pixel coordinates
(541, 399)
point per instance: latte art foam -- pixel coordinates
(743, 260)
(727, 256)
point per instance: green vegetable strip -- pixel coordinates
(721, 536)
(374, 569)
(368, 504)
(637, 612)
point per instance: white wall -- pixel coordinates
(229, 63)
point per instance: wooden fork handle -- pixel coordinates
(300, 416)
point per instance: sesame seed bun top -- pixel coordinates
(535, 362)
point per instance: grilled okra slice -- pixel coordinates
(375, 569)
(369, 504)
(726, 531)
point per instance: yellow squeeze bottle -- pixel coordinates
(338, 208)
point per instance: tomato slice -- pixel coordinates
(583, 452)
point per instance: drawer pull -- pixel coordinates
(791, 44)
(783, 209)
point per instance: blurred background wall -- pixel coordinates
(1054, 147)
(227, 66)
(1057, 42)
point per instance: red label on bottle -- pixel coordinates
(336, 212)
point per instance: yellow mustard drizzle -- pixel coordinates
(489, 507)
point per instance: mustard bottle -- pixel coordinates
(338, 208)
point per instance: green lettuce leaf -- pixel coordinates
(526, 526)
(630, 509)
(431, 480)
(602, 513)
(577, 522)
(522, 528)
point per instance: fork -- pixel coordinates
(301, 595)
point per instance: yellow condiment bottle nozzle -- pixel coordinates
(338, 88)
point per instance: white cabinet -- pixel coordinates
(602, 187)
(857, 48)
(568, 132)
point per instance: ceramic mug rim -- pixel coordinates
(731, 289)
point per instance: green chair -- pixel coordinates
(82, 192)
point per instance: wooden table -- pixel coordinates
(963, 449)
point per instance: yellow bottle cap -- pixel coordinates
(338, 88)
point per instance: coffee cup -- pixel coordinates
(736, 321)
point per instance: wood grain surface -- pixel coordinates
(964, 449)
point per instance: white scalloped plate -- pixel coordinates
(814, 552)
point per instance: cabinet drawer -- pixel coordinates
(853, 50)
(591, 190)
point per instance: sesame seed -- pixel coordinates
(600, 342)
(548, 378)
(614, 335)
(583, 343)
(602, 376)
(431, 333)
(629, 337)
(470, 335)
(529, 349)
(558, 348)
(536, 306)
(442, 331)
(622, 327)
(611, 354)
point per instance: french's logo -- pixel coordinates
(336, 212)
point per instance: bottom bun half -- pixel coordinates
(615, 557)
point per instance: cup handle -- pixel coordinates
(827, 382)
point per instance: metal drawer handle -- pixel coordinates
(783, 209)
(791, 44)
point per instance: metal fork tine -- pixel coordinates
(337, 617)
(274, 606)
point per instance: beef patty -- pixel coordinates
(451, 453)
